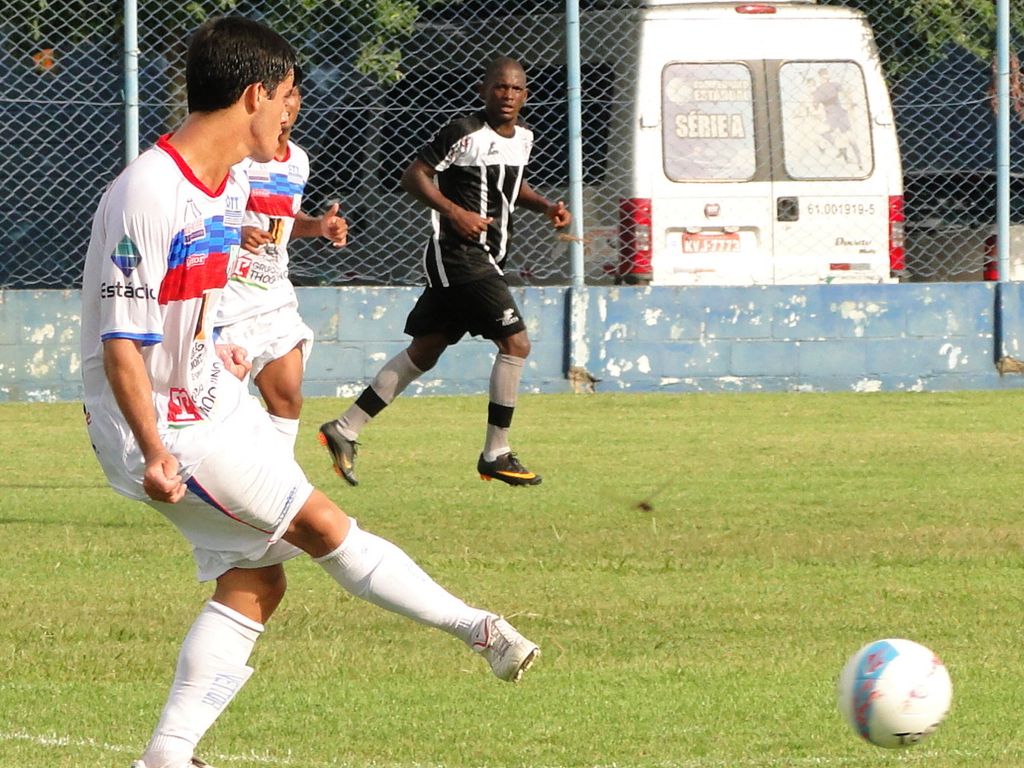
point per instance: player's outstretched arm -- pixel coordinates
(126, 373)
(557, 213)
(330, 226)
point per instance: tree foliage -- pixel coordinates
(910, 32)
(377, 28)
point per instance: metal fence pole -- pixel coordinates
(574, 95)
(577, 347)
(1002, 88)
(1003, 138)
(131, 80)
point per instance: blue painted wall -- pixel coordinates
(806, 338)
(917, 337)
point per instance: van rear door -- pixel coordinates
(712, 215)
(831, 209)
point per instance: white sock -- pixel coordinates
(288, 432)
(211, 670)
(380, 573)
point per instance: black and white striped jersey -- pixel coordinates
(480, 171)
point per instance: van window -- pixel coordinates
(825, 128)
(708, 122)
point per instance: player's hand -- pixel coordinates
(469, 225)
(161, 480)
(254, 238)
(334, 227)
(235, 359)
(559, 215)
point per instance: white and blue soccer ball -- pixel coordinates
(894, 693)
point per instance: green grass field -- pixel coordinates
(696, 569)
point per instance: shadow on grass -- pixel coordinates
(64, 522)
(52, 486)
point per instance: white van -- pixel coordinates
(762, 149)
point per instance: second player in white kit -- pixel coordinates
(259, 309)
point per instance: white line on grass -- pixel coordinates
(917, 755)
(55, 740)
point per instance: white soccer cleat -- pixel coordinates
(508, 652)
(195, 762)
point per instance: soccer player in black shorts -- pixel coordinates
(472, 176)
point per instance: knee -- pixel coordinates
(253, 592)
(292, 403)
(425, 351)
(516, 346)
(284, 403)
(270, 586)
(424, 358)
(319, 528)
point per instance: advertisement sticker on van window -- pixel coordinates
(826, 132)
(707, 122)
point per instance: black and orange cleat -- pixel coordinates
(507, 469)
(342, 450)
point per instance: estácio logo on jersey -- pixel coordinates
(119, 290)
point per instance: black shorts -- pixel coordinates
(481, 308)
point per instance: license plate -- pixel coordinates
(702, 242)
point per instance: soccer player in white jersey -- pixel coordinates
(479, 163)
(171, 421)
(259, 309)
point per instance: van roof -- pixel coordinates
(663, 3)
(719, 8)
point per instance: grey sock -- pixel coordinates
(504, 389)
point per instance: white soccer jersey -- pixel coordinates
(160, 251)
(259, 282)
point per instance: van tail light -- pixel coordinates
(755, 8)
(991, 259)
(897, 249)
(635, 237)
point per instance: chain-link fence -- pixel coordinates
(383, 77)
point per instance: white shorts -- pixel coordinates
(269, 336)
(241, 498)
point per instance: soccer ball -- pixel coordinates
(894, 693)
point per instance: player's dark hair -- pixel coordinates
(499, 64)
(228, 54)
(299, 75)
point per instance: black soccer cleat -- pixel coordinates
(342, 450)
(507, 469)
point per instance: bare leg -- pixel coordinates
(280, 384)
